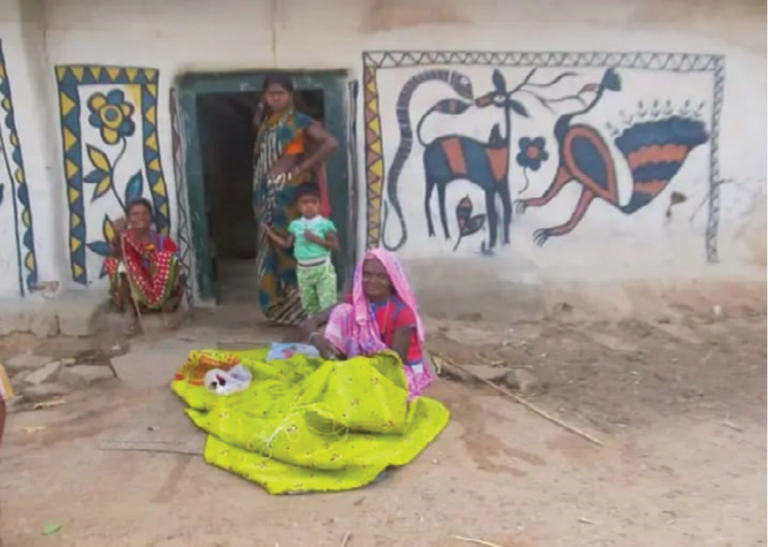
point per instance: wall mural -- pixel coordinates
(16, 197)
(111, 155)
(617, 126)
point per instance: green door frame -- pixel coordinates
(334, 87)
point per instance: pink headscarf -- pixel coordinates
(358, 332)
(399, 284)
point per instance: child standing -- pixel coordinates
(313, 237)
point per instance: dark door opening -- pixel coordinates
(219, 171)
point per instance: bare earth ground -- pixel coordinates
(679, 404)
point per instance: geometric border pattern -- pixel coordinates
(374, 161)
(181, 196)
(19, 189)
(69, 79)
(673, 62)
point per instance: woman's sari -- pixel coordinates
(275, 206)
(151, 267)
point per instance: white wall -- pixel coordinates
(28, 73)
(178, 37)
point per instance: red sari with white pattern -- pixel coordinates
(152, 269)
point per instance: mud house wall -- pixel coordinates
(31, 187)
(149, 46)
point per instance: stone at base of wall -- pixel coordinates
(71, 313)
(514, 290)
(476, 290)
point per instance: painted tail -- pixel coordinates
(655, 152)
(460, 85)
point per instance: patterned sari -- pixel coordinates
(275, 206)
(151, 267)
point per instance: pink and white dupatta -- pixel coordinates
(353, 329)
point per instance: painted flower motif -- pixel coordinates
(532, 153)
(111, 115)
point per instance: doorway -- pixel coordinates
(217, 111)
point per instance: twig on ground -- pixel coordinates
(45, 405)
(346, 539)
(493, 362)
(477, 541)
(133, 301)
(525, 403)
(707, 357)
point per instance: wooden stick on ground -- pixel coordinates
(478, 541)
(346, 539)
(530, 406)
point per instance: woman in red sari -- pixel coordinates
(143, 269)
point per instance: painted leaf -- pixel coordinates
(499, 82)
(135, 187)
(451, 106)
(473, 225)
(103, 272)
(99, 159)
(95, 176)
(464, 208)
(101, 248)
(102, 188)
(108, 229)
(519, 108)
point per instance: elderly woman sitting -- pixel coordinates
(380, 314)
(144, 268)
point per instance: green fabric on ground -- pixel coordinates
(308, 425)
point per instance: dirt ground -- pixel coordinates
(679, 404)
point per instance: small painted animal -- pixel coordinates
(654, 150)
(463, 87)
(486, 164)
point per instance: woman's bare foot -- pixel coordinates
(171, 320)
(129, 324)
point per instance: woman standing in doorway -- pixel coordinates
(290, 149)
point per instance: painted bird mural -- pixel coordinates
(654, 150)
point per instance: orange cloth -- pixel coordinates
(296, 146)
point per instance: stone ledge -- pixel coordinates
(71, 313)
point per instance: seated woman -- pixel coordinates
(143, 269)
(380, 314)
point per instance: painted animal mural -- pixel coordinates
(630, 167)
(463, 87)
(655, 151)
(486, 164)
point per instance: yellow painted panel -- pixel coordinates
(69, 139)
(377, 168)
(74, 195)
(71, 169)
(159, 188)
(67, 104)
(151, 142)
